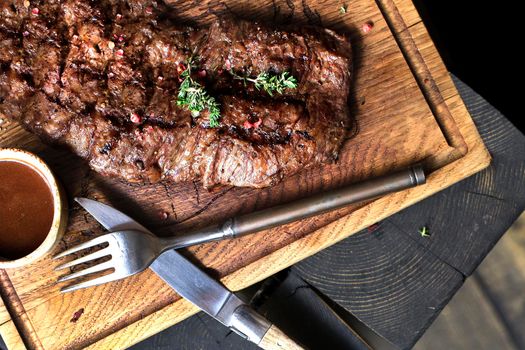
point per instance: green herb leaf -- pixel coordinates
(195, 98)
(423, 231)
(270, 83)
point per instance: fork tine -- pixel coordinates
(94, 282)
(96, 268)
(98, 254)
(88, 244)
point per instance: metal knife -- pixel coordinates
(200, 289)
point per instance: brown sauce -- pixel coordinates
(26, 209)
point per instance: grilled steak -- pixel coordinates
(102, 78)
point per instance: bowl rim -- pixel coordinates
(57, 225)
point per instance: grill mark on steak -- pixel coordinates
(63, 77)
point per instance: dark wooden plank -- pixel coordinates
(502, 277)
(468, 322)
(385, 279)
(487, 312)
(388, 286)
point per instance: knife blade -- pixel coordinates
(211, 296)
(188, 280)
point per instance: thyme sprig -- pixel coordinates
(193, 96)
(270, 82)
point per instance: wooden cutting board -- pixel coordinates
(407, 110)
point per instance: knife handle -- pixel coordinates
(252, 326)
(275, 339)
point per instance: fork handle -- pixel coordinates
(302, 208)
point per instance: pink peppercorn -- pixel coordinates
(120, 52)
(257, 123)
(135, 118)
(372, 227)
(149, 10)
(202, 73)
(35, 11)
(367, 27)
(26, 33)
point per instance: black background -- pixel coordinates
(479, 42)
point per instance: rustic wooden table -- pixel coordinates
(407, 110)
(388, 276)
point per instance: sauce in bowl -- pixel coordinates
(26, 209)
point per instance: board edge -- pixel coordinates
(11, 303)
(426, 83)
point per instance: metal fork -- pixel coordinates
(132, 248)
(130, 252)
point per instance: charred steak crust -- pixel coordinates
(101, 77)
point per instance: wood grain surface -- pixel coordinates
(501, 276)
(468, 322)
(398, 125)
(464, 223)
(487, 312)
(469, 217)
